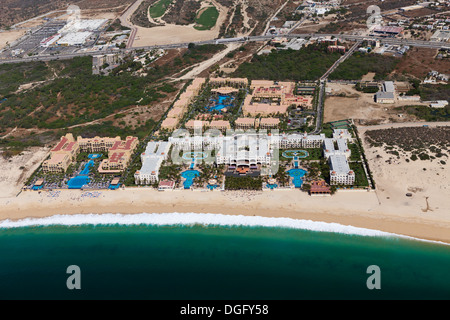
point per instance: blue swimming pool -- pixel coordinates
(114, 186)
(211, 186)
(82, 178)
(94, 155)
(189, 175)
(297, 175)
(220, 102)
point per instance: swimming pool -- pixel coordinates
(297, 175)
(82, 178)
(189, 175)
(220, 102)
(94, 155)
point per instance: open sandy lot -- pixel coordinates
(427, 180)
(361, 106)
(9, 37)
(17, 169)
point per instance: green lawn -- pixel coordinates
(360, 175)
(207, 19)
(159, 8)
(314, 154)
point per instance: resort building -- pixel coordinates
(96, 144)
(208, 116)
(269, 123)
(166, 185)
(319, 188)
(62, 155)
(246, 123)
(169, 123)
(219, 125)
(340, 173)
(229, 82)
(191, 124)
(57, 163)
(336, 147)
(176, 112)
(182, 104)
(271, 97)
(244, 150)
(155, 153)
(288, 141)
(119, 156)
(196, 85)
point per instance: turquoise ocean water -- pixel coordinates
(216, 262)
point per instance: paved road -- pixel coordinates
(124, 20)
(416, 43)
(341, 59)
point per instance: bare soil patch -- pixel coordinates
(418, 62)
(348, 103)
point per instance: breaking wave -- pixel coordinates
(207, 219)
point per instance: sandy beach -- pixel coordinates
(359, 209)
(425, 215)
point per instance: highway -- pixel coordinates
(392, 41)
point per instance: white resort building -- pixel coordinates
(244, 150)
(340, 172)
(155, 153)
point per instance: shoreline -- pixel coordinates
(203, 219)
(361, 210)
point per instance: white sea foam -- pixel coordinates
(188, 219)
(207, 219)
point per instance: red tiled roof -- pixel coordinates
(60, 145)
(116, 156)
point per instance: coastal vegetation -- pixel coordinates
(284, 64)
(66, 93)
(359, 64)
(243, 183)
(424, 143)
(426, 113)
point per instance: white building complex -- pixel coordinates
(155, 153)
(340, 172)
(244, 150)
(252, 149)
(337, 153)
